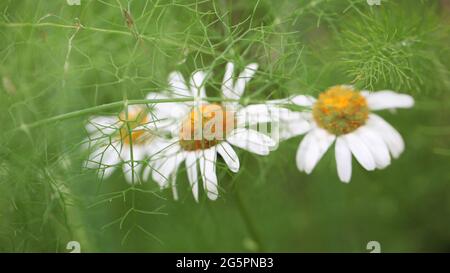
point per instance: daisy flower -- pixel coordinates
(203, 130)
(344, 115)
(125, 140)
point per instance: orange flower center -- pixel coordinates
(136, 117)
(340, 110)
(206, 126)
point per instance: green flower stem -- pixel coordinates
(113, 105)
(94, 110)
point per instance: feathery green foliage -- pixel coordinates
(59, 64)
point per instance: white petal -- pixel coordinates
(257, 113)
(132, 169)
(191, 167)
(96, 156)
(157, 167)
(207, 164)
(109, 163)
(198, 85)
(318, 144)
(301, 152)
(390, 136)
(146, 173)
(178, 86)
(134, 108)
(157, 145)
(94, 140)
(293, 123)
(251, 140)
(111, 159)
(163, 169)
(104, 159)
(229, 156)
(173, 185)
(360, 151)
(166, 111)
(173, 176)
(387, 99)
(376, 145)
(155, 96)
(157, 151)
(105, 125)
(244, 78)
(165, 160)
(303, 100)
(227, 83)
(343, 160)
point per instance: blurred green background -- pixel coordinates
(56, 58)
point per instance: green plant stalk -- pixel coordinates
(94, 110)
(117, 104)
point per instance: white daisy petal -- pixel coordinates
(134, 108)
(106, 172)
(229, 156)
(178, 86)
(343, 160)
(147, 171)
(227, 83)
(132, 169)
(390, 136)
(157, 146)
(303, 100)
(105, 125)
(301, 152)
(128, 173)
(173, 184)
(360, 151)
(106, 160)
(157, 152)
(173, 177)
(207, 164)
(163, 169)
(165, 160)
(95, 140)
(292, 123)
(244, 78)
(198, 85)
(256, 113)
(191, 167)
(96, 155)
(376, 145)
(251, 140)
(167, 111)
(155, 96)
(166, 167)
(388, 99)
(318, 144)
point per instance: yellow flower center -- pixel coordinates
(137, 116)
(340, 110)
(206, 126)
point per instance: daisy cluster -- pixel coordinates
(153, 141)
